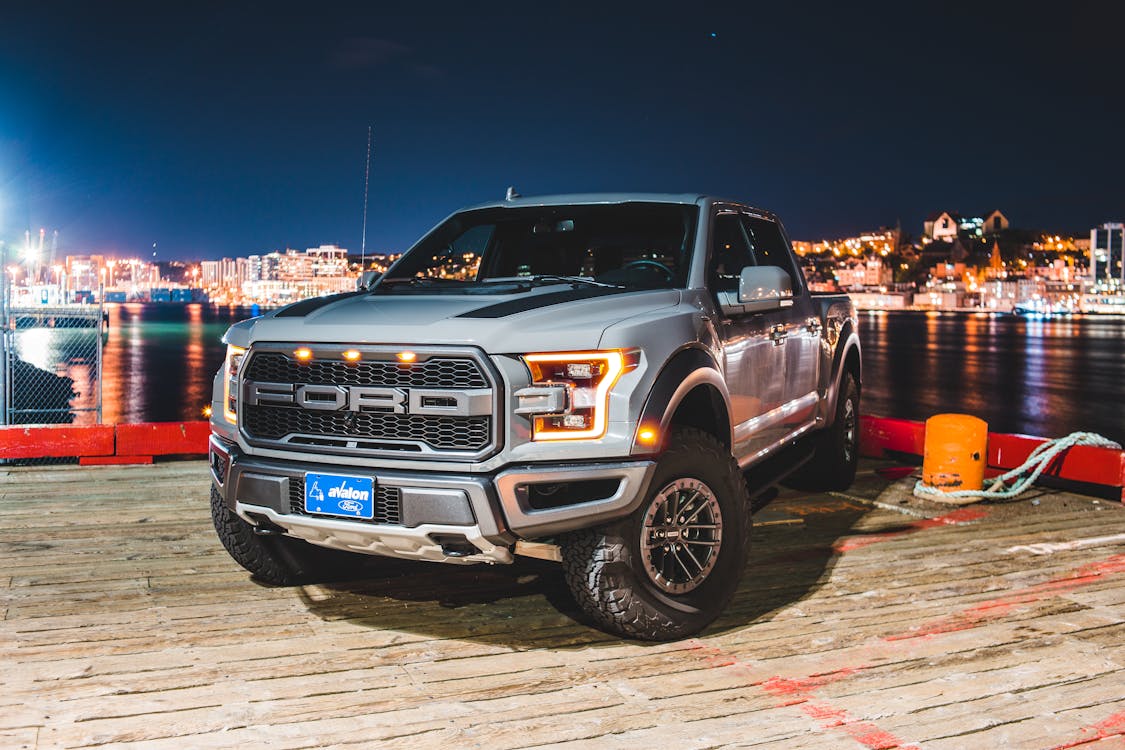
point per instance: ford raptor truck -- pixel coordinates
(605, 380)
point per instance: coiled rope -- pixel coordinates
(1024, 475)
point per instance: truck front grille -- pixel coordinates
(370, 430)
(388, 503)
(277, 367)
(439, 433)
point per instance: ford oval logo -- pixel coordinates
(349, 506)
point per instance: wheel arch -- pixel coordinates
(689, 392)
(847, 359)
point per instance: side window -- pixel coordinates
(730, 252)
(769, 246)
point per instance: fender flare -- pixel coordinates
(684, 371)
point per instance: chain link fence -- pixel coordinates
(50, 360)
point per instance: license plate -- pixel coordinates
(340, 495)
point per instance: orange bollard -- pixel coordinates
(956, 449)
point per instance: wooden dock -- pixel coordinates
(862, 622)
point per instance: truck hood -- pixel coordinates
(556, 317)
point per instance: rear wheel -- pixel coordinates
(836, 453)
(669, 569)
(278, 560)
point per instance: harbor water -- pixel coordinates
(1039, 377)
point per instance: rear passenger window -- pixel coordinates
(769, 246)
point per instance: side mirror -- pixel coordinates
(760, 288)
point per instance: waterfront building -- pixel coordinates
(209, 273)
(1107, 253)
(84, 271)
(857, 273)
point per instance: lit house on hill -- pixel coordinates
(947, 226)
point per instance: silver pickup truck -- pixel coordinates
(606, 380)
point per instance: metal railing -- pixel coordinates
(50, 361)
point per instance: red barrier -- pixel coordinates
(56, 441)
(162, 438)
(105, 443)
(1081, 464)
(880, 434)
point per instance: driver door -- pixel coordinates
(753, 364)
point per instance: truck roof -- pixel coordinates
(590, 198)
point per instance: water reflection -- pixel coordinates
(159, 360)
(1037, 377)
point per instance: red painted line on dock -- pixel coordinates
(994, 609)
(799, 693)
(1114, 726)
(955, 518)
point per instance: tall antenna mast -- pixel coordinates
(366, 184)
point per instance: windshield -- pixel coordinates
(627, 245)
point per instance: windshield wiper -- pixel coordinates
(551, 278)
(414, 281)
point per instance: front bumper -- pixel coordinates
(435, 516)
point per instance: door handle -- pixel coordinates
(778, 334)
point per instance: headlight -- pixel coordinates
(231, 364)
(569, 396)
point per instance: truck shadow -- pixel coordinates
(528, 605)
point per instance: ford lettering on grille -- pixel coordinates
(430, 401)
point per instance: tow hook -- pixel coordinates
(265, 527)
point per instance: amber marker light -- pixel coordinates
(647, 436)
(351, 355)
(304, 354)
(406, 357)
(207, 411)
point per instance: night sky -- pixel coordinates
(224, 129)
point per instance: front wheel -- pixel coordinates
(669, 569)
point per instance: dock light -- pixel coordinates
(406, 357)
(304, 354)
(351, 355)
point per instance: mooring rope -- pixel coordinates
(1019, 477)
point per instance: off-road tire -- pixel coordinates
(277, 560)
(836, 452)
(605, 566)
